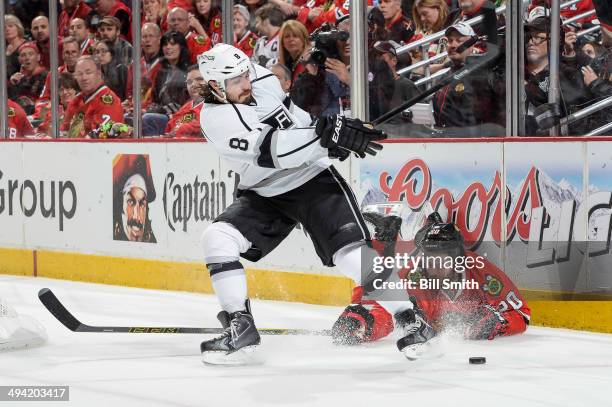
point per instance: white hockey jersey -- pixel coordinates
(271, 143)
(266, 51)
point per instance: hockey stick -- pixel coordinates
(468, 69)
(57, 309)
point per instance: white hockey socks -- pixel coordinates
(348, 260)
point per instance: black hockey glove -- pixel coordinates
(338, 153)
(487, 324)
(339, 132)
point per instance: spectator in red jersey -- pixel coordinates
(400, 27)
(80, 30)
(206, 20)
(71, 9)
(114, 73)
(151, 50)
(490, 308)
(67, 90)
(108, 29)
(94, 106)
(14, 37)
(178, 20)
(150, 39)
(169, 90)
(112, 8)
(186, 121)
(155, 11)
(295, 42)
(25, 86)
(244, 39)
(18, 124)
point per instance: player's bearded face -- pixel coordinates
(135, 213)
(238, 89)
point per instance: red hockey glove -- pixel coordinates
(359, 323)
(488, 324)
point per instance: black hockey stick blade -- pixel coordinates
(57, 309)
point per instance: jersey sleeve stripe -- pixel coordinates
(287, 102)
(299, 148)
(265, 151)
(240, 117)
(262, 78)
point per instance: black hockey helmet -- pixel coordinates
(442, 237)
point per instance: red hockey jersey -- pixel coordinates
(442, 308)
(490, 286)
(197, 44)
(247, 43)
(18, 124)
(185, 123)
(87, 112)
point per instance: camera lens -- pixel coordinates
(318, 57)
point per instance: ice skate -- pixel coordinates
(416, 341)
(237, 344)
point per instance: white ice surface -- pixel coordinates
(544, 367)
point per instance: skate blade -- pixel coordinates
(424, 350)
(241, 357)
(416, 351)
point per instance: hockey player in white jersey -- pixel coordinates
(286, 178)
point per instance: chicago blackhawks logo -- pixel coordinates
(107, 99)
(493, 286)
(188, 117)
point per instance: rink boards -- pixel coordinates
(60, 216)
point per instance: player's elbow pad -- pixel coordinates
(288, 148)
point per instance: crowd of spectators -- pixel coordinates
(306, 44)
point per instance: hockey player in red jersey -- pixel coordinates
(472, 298)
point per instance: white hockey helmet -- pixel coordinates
(220, 63)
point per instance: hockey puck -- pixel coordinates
(478, 360)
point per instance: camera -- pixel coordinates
(325, 44)
(602, 65)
